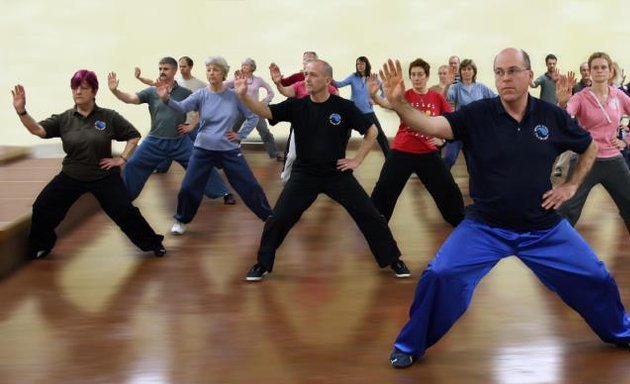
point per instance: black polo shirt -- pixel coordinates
(321, 130)
(87, 140)
(510, 163)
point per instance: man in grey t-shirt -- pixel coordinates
(547, 81)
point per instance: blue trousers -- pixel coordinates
(452, 152)
(559, 257)
(151, 152)
(238, 173)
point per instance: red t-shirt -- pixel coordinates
(407, 140)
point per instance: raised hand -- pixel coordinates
(240, 84)
(564, 87)
(393, 83)
(112, 81)
(372, 84)
(19, 98)
(162, 89)
(137, 72)
(275, 73)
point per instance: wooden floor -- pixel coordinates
(99, 311)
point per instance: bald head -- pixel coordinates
(514, 53)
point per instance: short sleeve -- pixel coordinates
(52, 126)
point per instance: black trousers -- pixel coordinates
(301, 191)
(433, 173)
(54, 201)
(381, 138)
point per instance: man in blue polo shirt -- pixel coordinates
(513, 210)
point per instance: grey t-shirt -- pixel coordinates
(164, 120)
(547, 88)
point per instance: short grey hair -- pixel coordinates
(251, 62)
(219, 62)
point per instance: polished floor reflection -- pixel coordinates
(99, 311)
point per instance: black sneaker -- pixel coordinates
(38, 253)
(228, 199)
(400, 269)
(159, 251)
(256, 273)
(399, 359)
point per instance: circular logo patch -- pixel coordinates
(100, 125)
(335, 119)
(541, 132)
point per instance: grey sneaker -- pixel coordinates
(256, 273)
(178, 228)
(399, 359)
(400, 269)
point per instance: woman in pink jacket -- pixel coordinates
(599, 109)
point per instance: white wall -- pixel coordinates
(44, 42)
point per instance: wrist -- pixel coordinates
(22, 113)
(124, 159)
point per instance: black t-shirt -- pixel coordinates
(321, 130)
(510, 163)
(87, 140)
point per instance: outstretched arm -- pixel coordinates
(138, 75)
(394, 87)
(19, 103)
(112, 83)
(256, 106)
(373, 88)
(276, 77)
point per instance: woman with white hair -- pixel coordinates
(216, 145)
(254, 83)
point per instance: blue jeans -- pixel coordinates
(154, 150)
(558, 256)
(452, 151)
(238, 173)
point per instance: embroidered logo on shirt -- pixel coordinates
(541, 132)
(100, 125)
(335, 119)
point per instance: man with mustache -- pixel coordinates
(167, 137)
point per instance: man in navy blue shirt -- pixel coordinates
(511, 142)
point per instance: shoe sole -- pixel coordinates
(257, 278)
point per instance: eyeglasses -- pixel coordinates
(510, 72)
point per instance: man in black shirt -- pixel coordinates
(322, 124)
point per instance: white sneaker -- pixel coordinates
(178, 228)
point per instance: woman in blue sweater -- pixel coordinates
(216, 145)
(361, 97)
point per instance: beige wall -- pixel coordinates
(44, 42)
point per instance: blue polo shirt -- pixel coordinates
(509, 163)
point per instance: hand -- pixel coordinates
(274, 71)
(554, 198)
(372, 84)
(109, 163)
(112, 81)
(162, 90)
(184, 129)
(137, 72)
(233, 136)
(240, 84)
(620, 144)
(393, 83)
(564, 88)
(347, 164)
(19, 98)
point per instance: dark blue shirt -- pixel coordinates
(321, 130)
(510, 163)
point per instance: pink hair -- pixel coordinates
(84, 75)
